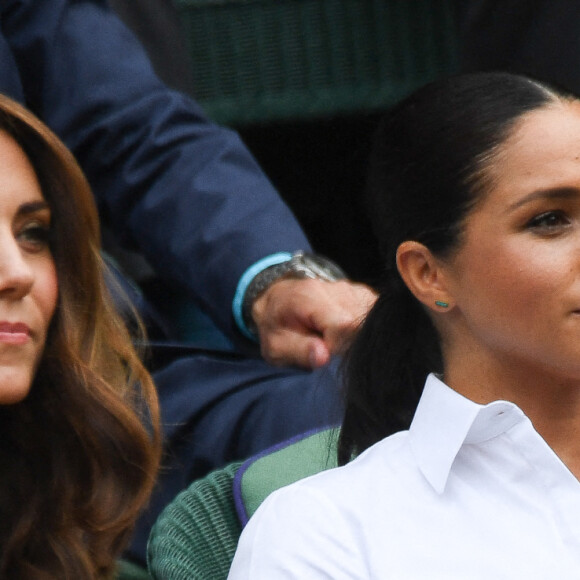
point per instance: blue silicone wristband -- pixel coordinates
(246, 280)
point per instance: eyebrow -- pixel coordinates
(33, 207)
(553, 193)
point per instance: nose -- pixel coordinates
(16, 275)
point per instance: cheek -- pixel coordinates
(518, 285)
(47, 291)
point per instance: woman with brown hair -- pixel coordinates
(78, 413)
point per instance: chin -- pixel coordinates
(14, 393)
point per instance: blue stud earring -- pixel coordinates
(442, 304)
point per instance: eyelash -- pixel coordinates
(539, 222)
(35, 236)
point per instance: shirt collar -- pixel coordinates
(445, 421)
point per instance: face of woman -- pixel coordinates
(515, 280)
(28, 283)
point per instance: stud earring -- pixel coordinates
(441, 303)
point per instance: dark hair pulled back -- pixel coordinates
(427, 171)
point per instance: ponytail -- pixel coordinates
(427, 169)
(385, 370)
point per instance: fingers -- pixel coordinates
(319, 355)
(339, 323)
(290, 348)
(302, 322)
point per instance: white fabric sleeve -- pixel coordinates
(297, 533)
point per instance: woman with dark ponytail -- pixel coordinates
(460, 447)
(427, 170)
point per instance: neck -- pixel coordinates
(551, 402)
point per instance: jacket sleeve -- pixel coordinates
(183, 191)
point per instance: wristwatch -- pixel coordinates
(300, 265)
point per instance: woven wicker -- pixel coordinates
(130, 571)
(195, 537)
(265, 60)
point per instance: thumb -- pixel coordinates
(318, 353)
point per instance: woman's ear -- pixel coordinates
(423, 275)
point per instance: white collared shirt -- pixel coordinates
(469, 492)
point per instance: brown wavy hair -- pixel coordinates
(79, 455)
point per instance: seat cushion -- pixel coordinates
(281, 465)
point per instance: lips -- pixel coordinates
(14, 333)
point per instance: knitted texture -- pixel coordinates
(130, 571)
(195, 537)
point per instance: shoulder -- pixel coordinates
(298, 532)
(380, 478)
(328, 521)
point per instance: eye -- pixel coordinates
(549, 222)
(35, 236)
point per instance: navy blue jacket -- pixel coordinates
(184, 192)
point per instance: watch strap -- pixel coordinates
(300, 265)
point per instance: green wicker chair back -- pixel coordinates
(195, 537)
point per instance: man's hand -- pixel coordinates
(303, 322)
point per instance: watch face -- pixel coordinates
(299, 266)
(321, 267)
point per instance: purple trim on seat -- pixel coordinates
(237, 482)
